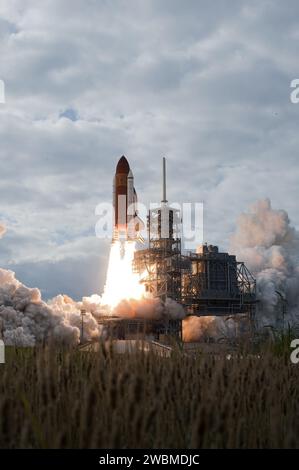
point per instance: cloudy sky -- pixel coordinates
(205, 83)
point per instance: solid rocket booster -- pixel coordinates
(127, 224)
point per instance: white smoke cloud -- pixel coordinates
(150, 308)
(26, 320)
(214, 328)
(198, 328)
(269, 245)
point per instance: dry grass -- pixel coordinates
(72, 399)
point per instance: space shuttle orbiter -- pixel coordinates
(127, 224)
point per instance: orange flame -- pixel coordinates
(121, 282)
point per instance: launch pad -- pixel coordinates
(204, 282)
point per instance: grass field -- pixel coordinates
(73, 399)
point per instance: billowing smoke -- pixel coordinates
(25, 320)
(215, 329)
(150, 308)
(269, 245)
(198, 328)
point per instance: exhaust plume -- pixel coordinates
(269, 245)
(26, 320)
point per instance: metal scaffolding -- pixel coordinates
(207, 282)
(160, 264)
(127, 328)
(216, 284)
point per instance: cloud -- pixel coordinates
(205, 84)
(269, 245)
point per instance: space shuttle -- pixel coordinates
(127, 224)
